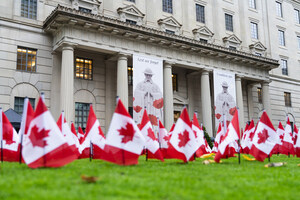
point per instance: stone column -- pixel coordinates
(122, 79)
(168, 96)
(67, 82)
(266, 98)
(206, 102)
(239, 100)
(250, 101)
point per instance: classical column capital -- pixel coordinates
(238, 77)
(266, 82)
(168, 63)
(123, 56)
(68, 46)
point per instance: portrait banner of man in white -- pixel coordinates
(147, 88)
(225, 96)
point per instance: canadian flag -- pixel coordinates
(27, 116)
(207, 147)
(67, 133)
(220, 134)
(94, 134)
(124, 142)
(9, 140)
(199, 135)
(44, 145)
(151, 141)
(265, 138)
(85, 148)
(280, 133)
(164, 140)
(297, 146)
(80, 135)
(295, 134)
(227, 144)
(287, 146)
(183, 138)
(247, 137)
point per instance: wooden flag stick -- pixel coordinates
(91, 151)
(239, 151)
(269, 158)
(146, 154)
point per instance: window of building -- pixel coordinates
(259, 95)
(284, 66)
(297, 16)
(85, 10)
(228, 22)
(28, 8)
(258, 54)
(254, 30)
(170, 32)
(26, 59)
(167, 6)
(279, 9)
(84, 68)
(287, 99)
(176, 116)
(81, 114)
(174, 82)
(203, 41)
(281, 38)
(252, 4)
(19, 103)
(131, 21)
(232, 47)
(130, 75)
(200, 13)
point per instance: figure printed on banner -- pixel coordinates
(225, 105)
(147, 92)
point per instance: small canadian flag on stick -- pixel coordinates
(265, 138)
(124, 142)
(44, 144)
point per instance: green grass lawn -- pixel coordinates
(154, 180)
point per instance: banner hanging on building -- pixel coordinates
(225, 96)
(147, 88)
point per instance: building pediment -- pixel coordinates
(171, 21)
(131, 13)
(258, 46)
(203, 31)
(232, 39)
(131, 10)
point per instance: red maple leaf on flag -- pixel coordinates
(291, 134)
(137, 108)
(8, 137)
(151, 134)
(223, 137)
(281, 137)
(244, 136)
(263, 136)
(251, 135)
(37, 137)
(127, 133)
(195, 133)
(184, 138)
(167, 138)
(159, 103)
(153, 120)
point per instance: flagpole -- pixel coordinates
(123, 155)
(91, 151)
(44, 149)
(23, 125)
(158, 136)
(1, 134)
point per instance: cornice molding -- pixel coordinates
(61, 16)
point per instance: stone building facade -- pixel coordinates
(80, 51)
